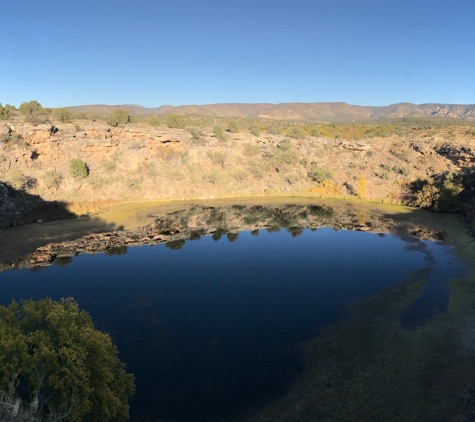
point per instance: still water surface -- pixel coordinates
(214, 327)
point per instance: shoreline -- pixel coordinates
(118, 219)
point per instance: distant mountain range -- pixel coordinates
(297, 111)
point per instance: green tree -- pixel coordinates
(78, 168)
(153, 121)
(5, 113)
(424, 193)
(119, 116)
(452, 187)
(62, 115)
(54, 363)
(29, 108)
(33, 111)
(176, 121)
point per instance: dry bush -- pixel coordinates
(52, 178)
(251, 149)
(218, 158)
(17, 179)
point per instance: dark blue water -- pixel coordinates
(214, 327)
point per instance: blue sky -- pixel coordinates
(367, 52)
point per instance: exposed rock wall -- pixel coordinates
(137, 163)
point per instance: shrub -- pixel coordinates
(55, 365)
(314, 131)
(233, 126)
(254, 129)
(217, 158)
(119, 116)
(297, 132)
(250, 149)
(62, 115)
(133, 184)
(175, 121)
(78, 168)
(153, 121)
(52, 178)
(319, 174)
(212, 178)
(80, 115)
(77, 128)
(17, 179)
(13, 139)
(5, 113)
(34, 112)
(274, 129)
(29, 108)
(96, 181)
(425, 194)
(257, 169)
(404, 170)
(289, 157)
(385, 174)
(108, 165)
(219, 133)
(240, 176)
(285, 145)
(197, 137)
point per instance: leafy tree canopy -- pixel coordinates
(53, 362)
(78, 168)
(5, 112)
(30, 108)
(176, 121)
(34, 112)
(119, 116)
(63, 115)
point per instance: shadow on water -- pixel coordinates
(28, 222)
(366, 364)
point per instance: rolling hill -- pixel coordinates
(338, 111)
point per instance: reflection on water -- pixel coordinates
(211, 318)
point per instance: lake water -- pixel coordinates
(212, 326)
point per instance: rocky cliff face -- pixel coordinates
(137, 163)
